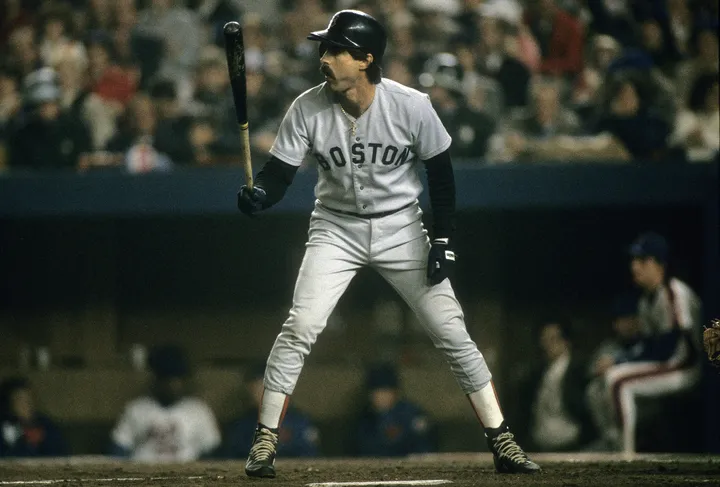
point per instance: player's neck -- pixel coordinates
(358, 98)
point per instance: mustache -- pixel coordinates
(326, 71)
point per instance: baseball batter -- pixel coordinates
(368, 135)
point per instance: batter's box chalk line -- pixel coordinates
(380, 483)
(108, 479)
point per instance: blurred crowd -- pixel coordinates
(142, 85)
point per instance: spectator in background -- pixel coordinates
(298, 438)
(114, 84)
(547, 117)
(703, 60)
(586, 90)
(167, 425)
(494, 61)
(23, 53)
(614, 18)
(469, 127)
(180, 30)
(56, 31)
(630, 118)
(396, 70)
(697, 129)
(656, 42)
(26, 432)
(98, 115)
(547, 131)
(13, 14)
(134, 145)
(667, 358)
(559, 35)
(174, 127)
(65, 138)
(680, 25)
(558, 418)
(99, 16)
(390, 426)
(519, 41)
(10, 105)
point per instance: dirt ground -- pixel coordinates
(462, 470)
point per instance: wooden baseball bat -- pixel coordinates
(235, 52)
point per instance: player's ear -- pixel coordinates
(369, 58)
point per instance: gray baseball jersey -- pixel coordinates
(366, 165)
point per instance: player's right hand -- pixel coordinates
(250, 201)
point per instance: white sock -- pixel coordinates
(272, 407)
(486, 406)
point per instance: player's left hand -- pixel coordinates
(441, 261)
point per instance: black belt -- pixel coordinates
(368, 215)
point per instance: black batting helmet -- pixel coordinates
(353, 29)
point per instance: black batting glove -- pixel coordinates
(441, 261)
(250, 201)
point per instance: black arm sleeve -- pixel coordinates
(274, 178)
(441, 186)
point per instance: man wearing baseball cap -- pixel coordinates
(669, 315)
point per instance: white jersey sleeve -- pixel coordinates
(127, 427)
(432, 138)
(687, 305)
(292, 142)
(207, 433)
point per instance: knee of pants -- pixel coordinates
(301, 329)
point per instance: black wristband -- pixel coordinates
(441, 188)
(275, 177)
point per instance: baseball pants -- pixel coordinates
(396, 246)
(613, 398)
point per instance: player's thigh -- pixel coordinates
(436, 306)
(629, 371)
(324, 274)
(664, 382)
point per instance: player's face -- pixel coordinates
(341, 70)
(383, 399)
(170, 390)
(646, 272)
(552, 341)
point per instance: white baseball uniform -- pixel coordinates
(367, 166)
(152, 433)
(673, 306)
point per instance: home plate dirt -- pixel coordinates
(453, 470)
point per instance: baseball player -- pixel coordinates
(368, 135)
(168, 425)
(663, 361)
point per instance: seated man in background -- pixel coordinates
(25, 431)
(298, 438)
(667, 360)
(557, 414)
(168, 425)
(390, 426)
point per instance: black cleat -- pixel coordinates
(507, 454)
(261, 461)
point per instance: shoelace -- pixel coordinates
(506, 447)
(264, 446)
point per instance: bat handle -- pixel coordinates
(245, 153)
